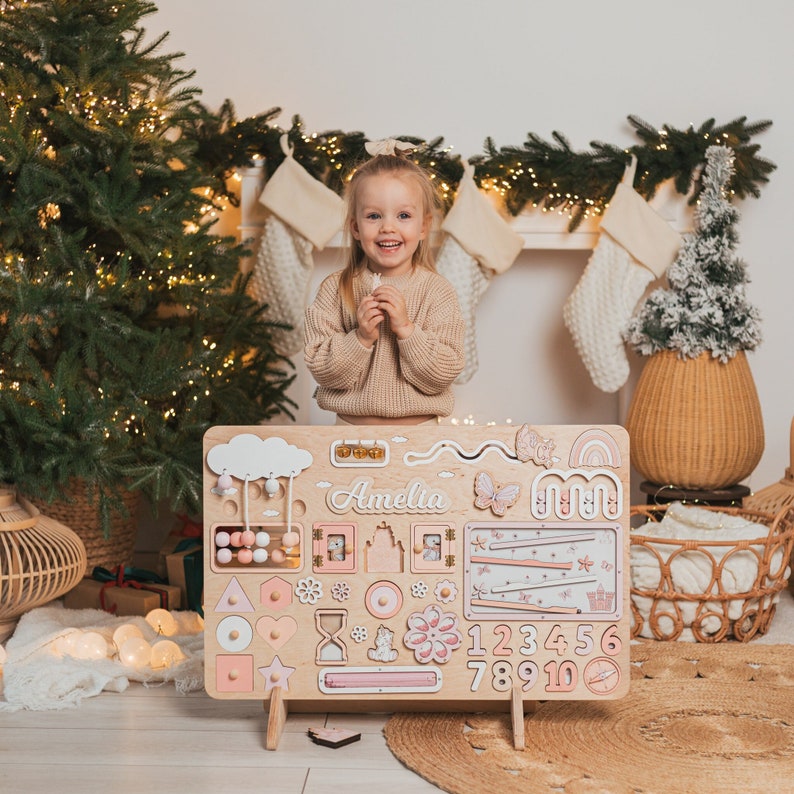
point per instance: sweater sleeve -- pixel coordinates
(333, 354)
(433, 355)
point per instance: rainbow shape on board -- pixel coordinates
(595, 447)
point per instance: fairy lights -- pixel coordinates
(470, 421)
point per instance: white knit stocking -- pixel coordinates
(469, 280)
(635, 246)
(479, 244)
(600, 307)
(303, 214)
(280, 279)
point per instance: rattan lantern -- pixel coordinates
(40, 559)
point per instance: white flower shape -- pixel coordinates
(433, 635)
(419, 589)
(341, 591)
(446, 591)
(359, 633)
(309, 590)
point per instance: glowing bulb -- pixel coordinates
(135, 652)
(125, 632)
(91, 645)
(162, 621)
(166, 653)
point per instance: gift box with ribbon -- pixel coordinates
(184, 528)
(185, 567)
(123, 591)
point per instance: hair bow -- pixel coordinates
(388, 146)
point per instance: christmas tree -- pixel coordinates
(125, 328)
(706, 306)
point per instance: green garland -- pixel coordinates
(537, 173)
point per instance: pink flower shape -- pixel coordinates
(432, 635)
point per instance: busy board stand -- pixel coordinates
(408, 568)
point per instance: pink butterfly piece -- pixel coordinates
(490, 494)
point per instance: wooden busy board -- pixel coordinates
(422, 567)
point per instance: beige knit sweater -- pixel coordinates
(395, 378)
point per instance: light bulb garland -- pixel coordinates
(127, 644)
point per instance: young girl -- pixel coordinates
(384, 336)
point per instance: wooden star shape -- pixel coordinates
(276, 674)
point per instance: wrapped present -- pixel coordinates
(184, 528)
(123, 591)
(185, 566)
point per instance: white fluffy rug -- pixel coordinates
(35, 677)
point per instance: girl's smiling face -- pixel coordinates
(389, 222)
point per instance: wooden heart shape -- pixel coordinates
(276, 631)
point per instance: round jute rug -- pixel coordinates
(698, 718)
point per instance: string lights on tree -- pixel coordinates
(126, 328)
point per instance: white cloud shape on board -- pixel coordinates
(247, 456)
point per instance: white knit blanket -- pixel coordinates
(34, 677)
(691, 571)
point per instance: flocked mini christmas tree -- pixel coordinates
(706, 306)
(125, 329)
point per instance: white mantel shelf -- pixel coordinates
(539, 230)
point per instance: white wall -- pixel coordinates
(467, 69)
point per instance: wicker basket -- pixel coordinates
(695, 423)
(81, 514)
(715, 614)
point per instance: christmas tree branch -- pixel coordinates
(543, 173)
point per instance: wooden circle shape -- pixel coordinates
(234, 634)
(601, 675)
(383, 599)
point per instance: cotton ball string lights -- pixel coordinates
(162, 621)
(64, 645)
(91, 645)
(165, 653)
(125, 632)
(128, 644)
(135, 652)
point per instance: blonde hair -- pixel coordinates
(390, 165)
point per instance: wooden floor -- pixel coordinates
(155, 740)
